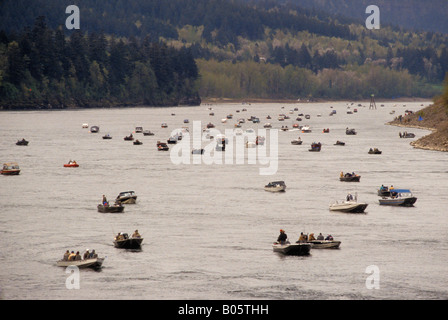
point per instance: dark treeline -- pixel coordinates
(43, 67)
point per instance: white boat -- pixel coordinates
(324, 244)
(275, 186)
(398, 197)
(350, 205)
(87, 263)
(297, 141)
(85, 125)
(287, 248)
(306, 129)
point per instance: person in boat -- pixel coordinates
(282, 236)
(342, 174)
(86, 254)
(329, 237)
(72, 256)
(302, 238)
(311, 237)
(77, 256)
(105, 203)
(119, 236)
(136, 234)
(92, 255)
(320, 236)
(66, 255)
(349, 197)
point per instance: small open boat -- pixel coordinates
(339, 143)
(10, 169)
(287, 248)
(275, 186)
(107, 137)
(164, 125)
(316, 147)
(127, 197)
(350, 205)
(94, 129)
(129, 137)
(138, 129)
(147, 133)
(349, 177)
(137, 142)
(116, 208)
(22, 142)
(324, 244)
(126, 242)
(162, 146)
(71, 164)
(350, 131)
(87, 263)
(374, 151)
(297, 141)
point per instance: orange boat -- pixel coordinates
(71, 164)
(11, 168)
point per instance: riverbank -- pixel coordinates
(433, 118)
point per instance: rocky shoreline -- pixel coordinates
(433, 118)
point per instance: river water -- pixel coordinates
(208, 228)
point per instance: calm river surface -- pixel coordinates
(208, 228)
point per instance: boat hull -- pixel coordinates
(132, 243)
(325, 244)
(110, 209)
(350, 179)
(88, 263)
(275, 189)
(293, 249)
(71, 165)
(10, 172)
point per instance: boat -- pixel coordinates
(315, 147)
(350, 205)
(138, 129)
(116, 208)
(126, 197)
(71, 164)
(94, 129)
(296, 249)
(126, 242)
(285, 128)
(306, 129)
(10, 169)
(384, 191)
(172, 140)
(339, 143)
(297, 141)
(22, 142)
(275, 186)
(95, 263)
(407, 135)
(374, 151)
(267, 125)
(326, 130)
(210, 125)
(162, 146)
(129, 137)
(137, 142)
(85, 125)
(107, 137)
(197, 151)
(398, 197)
(350, 131)
(164, 125)
(349, 177)
(186, 121)
(324, 244)
(147, 133)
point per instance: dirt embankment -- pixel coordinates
(433, 117)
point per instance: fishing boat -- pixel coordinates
(296, 249)
(147, 133)
(22, 142)
(94, 129)
(162, 146)
(350, 131)
(324, 244)
(164, 125)
(137, 142)
(129, 137)
(10, 169)
(306, 129)
(326, 130)
(398, 197)
(297, 141)
(95, 263)
(116, 208)
(210, 125)
(138, 129)
(71, 164)
(407, 135)
(275, 186)
(267, 125)
(374, 151)
(339, 143)
(126, 242)
(85, 125)
(350, 205)
(349, 177)
(127, 197)
(107, 137)
(315, 147)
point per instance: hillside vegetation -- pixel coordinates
(241, 49)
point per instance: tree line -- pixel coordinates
(41, 66)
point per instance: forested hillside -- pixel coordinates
(217, 48)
